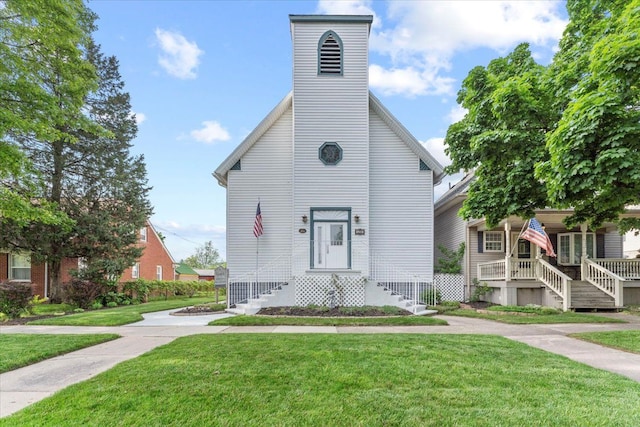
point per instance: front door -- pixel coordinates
(330, 246)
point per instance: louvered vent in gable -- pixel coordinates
(330, 54)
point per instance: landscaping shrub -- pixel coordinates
(530, 308)
(432, 294)
(119, 298)
(15, 298)
(82, 293)
(141, 289)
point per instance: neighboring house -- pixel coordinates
(345, 191)
(591, 275)
(185, 273)
(204, 274)
(155, 263)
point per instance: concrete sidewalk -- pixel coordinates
(24, 386)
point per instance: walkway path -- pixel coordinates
(22, 387)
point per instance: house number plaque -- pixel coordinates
(359, 231)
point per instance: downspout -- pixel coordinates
(46, 279)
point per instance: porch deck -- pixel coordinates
(614, 278)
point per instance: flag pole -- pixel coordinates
(513, 248)
(257, 234)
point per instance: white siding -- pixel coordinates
(450, 232)
(613, 242)
(401, 203)
(330, 109)
(266, 174)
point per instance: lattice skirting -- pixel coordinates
(328, 290)
(451, 286)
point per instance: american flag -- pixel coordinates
(536, 235)
(257, 225)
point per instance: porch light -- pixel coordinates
(357, 218)
(305, 219)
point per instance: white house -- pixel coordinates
(345, 191)
(582, 276)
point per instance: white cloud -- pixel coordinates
(456, 114)
(211, 132)
(435, 147)
(408, 81)
(179, 56)
(139, 117)
(421, 37)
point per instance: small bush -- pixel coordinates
(120, 298)
(432, 295)
(452, 304)
(481, 289)
(82, 292)
(15, 298)
(112, 304)
(97, 305)
(78, 310)
(531, 308)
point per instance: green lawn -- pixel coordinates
(20, 350)
(343, 380)
(621, 340)
(120, 315)
(327, 321)
(566, 317)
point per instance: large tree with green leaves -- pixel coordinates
(95, 180)
(41, 45)
(502, 136)
(594, 163)
(566, 135)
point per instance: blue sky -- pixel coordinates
(203, 74)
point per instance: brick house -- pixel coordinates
(156, 263)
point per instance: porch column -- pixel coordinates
(583, 255)
(507, 258)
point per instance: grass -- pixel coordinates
(20, 350)
(532, 319)
(40, 309)
(343, 380)
(621, 340)
(327, 321)
(119, 315)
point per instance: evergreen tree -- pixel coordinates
(95, 181)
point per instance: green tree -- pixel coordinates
(206, 256)
(594, 163)
(566, 135)
(41, 42)
(502, 136)
(451, 261)
(95, 181)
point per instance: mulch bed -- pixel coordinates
(24, 320)
(195, 311)
(326, 312)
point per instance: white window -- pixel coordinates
(570, 248)
(143, 234)
(135, 270)
(493, 241)
(20, 267)
(158, 272)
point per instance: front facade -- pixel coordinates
(156, 263)
(589, 272)
(345, 191)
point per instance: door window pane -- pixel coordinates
(565, 249)
(577, 248)
(336, 234)
(524, 249)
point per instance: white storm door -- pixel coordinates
(330, 245)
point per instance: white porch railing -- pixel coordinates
(277, 273)
(604, 279)
(523, 269)
(492, 270)
(628, 269)
(555, 280)
(410, 285)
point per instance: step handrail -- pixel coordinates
(604, 279)
(555, 280)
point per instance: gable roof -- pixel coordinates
(153, 229)
(185, 269)
(374, 103)
(459, 188)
